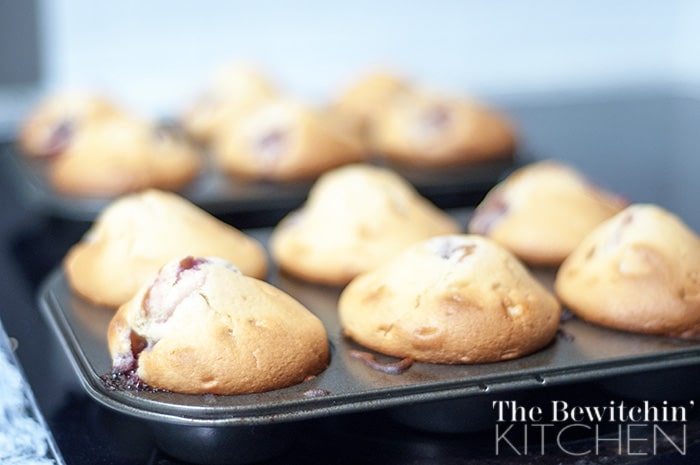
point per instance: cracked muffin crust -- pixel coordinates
(202, 327)
(542, 211)
(450, 299)
(355, 218)
(638, 271)
(138, 233)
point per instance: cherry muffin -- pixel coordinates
(202, 327)
(137, 234)
(542, 212)
(639, 271)
(356, 218)
(452, 299)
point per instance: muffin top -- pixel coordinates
(356, 217)
(542, 211)
(638, 271)
(450, 299)
(137, 234)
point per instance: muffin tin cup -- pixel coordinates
(453, 416)
(674, 384)
(259, 203)
(211, 445)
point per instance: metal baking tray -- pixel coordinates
(222, 195)
(581, 352)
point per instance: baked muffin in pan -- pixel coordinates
(202, 327)
(356, 217)
(451, 299)
(138, 233)
(542, 211)
(639, 271)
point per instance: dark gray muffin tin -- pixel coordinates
(223, 196)
(438, 398)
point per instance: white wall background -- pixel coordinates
(686, 44)
(154, 54)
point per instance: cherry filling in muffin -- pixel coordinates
(488, 214)
(432, 123)
(189, 263)
(124, 372)
(272, 144)
(59, 138)
(436, 118)
(158, 305)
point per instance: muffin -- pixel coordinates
(202, 327)
(137, 234)
(427, 129)
(367, 97)
(354, 219)
(542, 212)
(453, 299)
(233, 92)
(121, 155)
(284, 140)
(50, 126)
(638, 271)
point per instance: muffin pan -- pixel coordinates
(580, 352)
(222, 195)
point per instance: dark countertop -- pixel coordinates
(642, 144)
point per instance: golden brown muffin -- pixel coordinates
(368, 96)
(355, 218)
(202, 327)
(450, 299)
(137, 234)
(542, 212)
(285, 141)
(51, 125)
(233, 92)
(638, 271)
(121, 155)
(427, 129)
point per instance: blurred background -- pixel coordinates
(154, 55)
